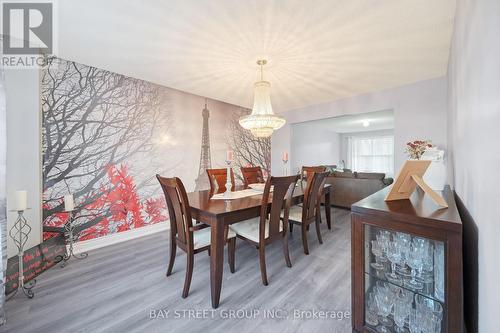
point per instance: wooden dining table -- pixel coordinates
(219, 214)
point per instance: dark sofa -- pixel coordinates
(350, 187)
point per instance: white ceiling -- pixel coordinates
(378, 120)
(319, 50)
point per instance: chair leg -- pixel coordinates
(328, 217)
(173, 249)
(262, 256)
(318, 232)
(286, 251)
(208, 252)
(231, 249)
(290, 226)
(304, 238)
(189, 274)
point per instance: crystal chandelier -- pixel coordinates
(262, 122)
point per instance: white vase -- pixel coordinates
(435, 176)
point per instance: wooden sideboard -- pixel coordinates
(420, 220)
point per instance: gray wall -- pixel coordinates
(474, 110)
(419, 112)
(313, 145)
(23, 150)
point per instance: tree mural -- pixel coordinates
(105, 136)
(93, 122)
(248, 150)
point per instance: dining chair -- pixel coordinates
(306, 170)
(191, 239)
(262, 231)
(218, 178)
(309, 212)
(252, 175)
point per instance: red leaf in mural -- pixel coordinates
(120, 199)
(155, 208)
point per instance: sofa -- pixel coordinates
(350, 187)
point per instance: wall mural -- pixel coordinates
(106, 136)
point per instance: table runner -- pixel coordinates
(237, 194)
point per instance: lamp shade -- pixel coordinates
(262, 121)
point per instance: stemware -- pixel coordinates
(378, 253)
(429, 259)
(371, 316)
(427, 250)
(415, 262)
(384, 298)
(434, 325)
(408, 295)
(394, 256)
(430, 313)
(404, 241)
(401, 311)
(421, 242)
(384, 237)
(414, 321)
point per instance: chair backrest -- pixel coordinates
(312, 194)
(217, 178)
(307, 170)
(252, 175)
(281, 200)
(178, 209)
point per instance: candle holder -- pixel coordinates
(68, 230)
(228, 179)
(19, 233)
(285, 168)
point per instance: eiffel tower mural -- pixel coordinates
(205, 158)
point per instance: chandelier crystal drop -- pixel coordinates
(262, 122)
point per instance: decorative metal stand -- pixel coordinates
(19, 233)
(69, 228)
(228, 180)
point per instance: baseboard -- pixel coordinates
(92, 244)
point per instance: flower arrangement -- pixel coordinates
(416, 148)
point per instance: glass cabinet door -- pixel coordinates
(404, 282)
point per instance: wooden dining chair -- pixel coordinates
(252, 175)
(306, 170)
(309, 212)
(262, 231)
(218, 178)
(191, 239)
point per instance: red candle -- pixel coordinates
(229, 156)
(285, 157)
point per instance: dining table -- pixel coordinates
(219, 214)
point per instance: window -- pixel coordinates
(372, 154)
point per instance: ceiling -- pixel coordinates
(378, 120)
(318, 50)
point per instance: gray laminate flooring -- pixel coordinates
(123, 288)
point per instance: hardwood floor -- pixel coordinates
(117, 288)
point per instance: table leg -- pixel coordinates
(216, 261)
(328, 209)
